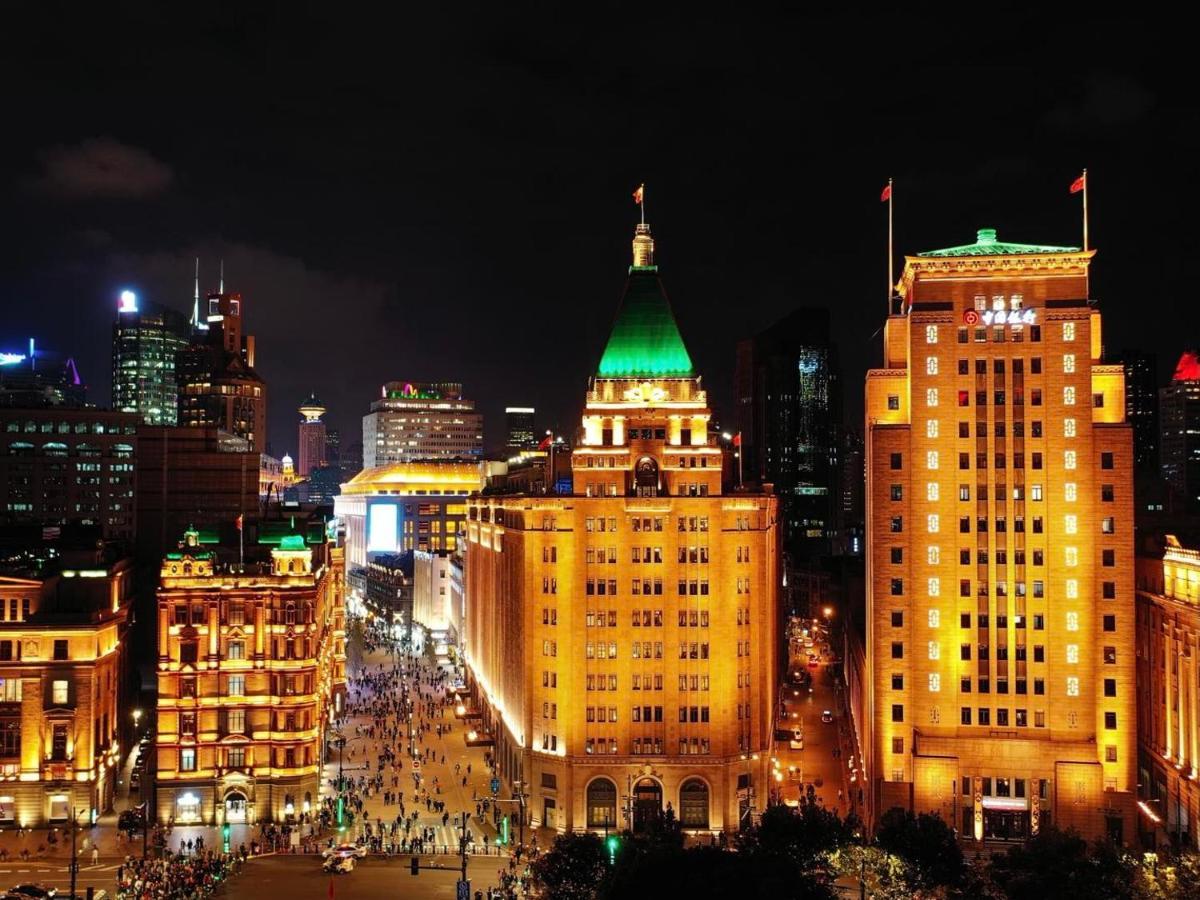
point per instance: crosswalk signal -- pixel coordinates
(504, 831)
(414, 866)
(341, 812)
(225, 829)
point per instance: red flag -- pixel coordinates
(887, 193)
(637, 195)
(546, 441)
(737, 439)
(239, 523)
(1079, 184)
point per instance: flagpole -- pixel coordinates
(890, 263)
(643, 204)
(1085, 214)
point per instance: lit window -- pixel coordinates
(931, 428)
(1068, 396)
(1068, 362)
(1072, 586)
(935, 587)
(935, 682)
(1035, 492)
(1068, 459)
(1071, 524)
(1072, 686)
(931, 459)
(1070, 491)
(931, 365)
(931, 397)
(935, 618)
(58, 693)
(1071, 556)
(1072, 621)
(931, 334)
(931, 490)
(1072, 653)
(933, 523)
(1068, 331)
(935, 650)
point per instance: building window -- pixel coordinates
(1073, 686)
(931, 334)
(1110, 721)
(60, 649)
(1068, 333)
(59, 692)
(897, 492)
(897, 650)
(897, 712)
(935, 682)
(897, 460)
(893, 401)
(931, 397)
(1106, 460)
(187, 759)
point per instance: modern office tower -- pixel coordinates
(61, 466)
(63, 705)
(251, 674)
(519, 421)
(1179, 414)
(788, 412)
(312, 435)
(333, 447)
(146, 339)
(415, 421)
(1168, 660)
(32, 378)
(853, 499)
(218, 386)
(191, 476)
(637, 668)
(1141, 407)
(1000, 550)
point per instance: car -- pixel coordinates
(131, 820)
(33, 890)
(826, 716)
(796, 744)
(346, 850)
(813, 663)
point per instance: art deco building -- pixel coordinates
(146, 338)
(312, 436)
(1000, 557)
(417, 421)
(62, 686)
(638, 612)
(251, 670)
(1168, 659)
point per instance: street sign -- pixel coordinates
(416, 765)
(464, 890)
(495, 785)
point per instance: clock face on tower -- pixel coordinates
(645, 473)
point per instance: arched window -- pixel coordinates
(693, 804)
(20, 448)
(54, 448)
(601, 804)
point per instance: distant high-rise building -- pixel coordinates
(32, 378)
(788, 413)
(519, 420)
(1141, 406)
(1000, 590)
(1179, 415)
(852, 522)
(312, 435)
(218, 386)
(333, 446)
(146, 340)
(417, 421)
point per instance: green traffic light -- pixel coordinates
(613, 843)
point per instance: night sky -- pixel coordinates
(446, 194)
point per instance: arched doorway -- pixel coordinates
(693, 804)
(647, 804)
(602, 804)
(235, 807)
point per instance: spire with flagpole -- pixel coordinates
(1080, 185)
(196, 299)
(886, 196)
(221, 287)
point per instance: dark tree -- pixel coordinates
(926, 843)
(1059, 863)
(573, 869)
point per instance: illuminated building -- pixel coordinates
(146, 338)
(251, 670)
(416, 421)
(312, 436)
(218, 385)
(637, 665)
(288, 469)
(31, 378)
(60, 466)
(1179, 414)
(62, 683)
(788, 414)
(1000, 550)
(1141, 408)
(519, 422)
(1168, 659)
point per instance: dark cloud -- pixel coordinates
(1106, 101)
(102, 168)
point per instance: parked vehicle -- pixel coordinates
(343, 850)
(338, 865)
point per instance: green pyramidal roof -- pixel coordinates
(645, 341)
(987, 245)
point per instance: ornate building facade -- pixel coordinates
(251, 671)
(1000, 550)
(636, 672)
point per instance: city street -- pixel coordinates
(300, 877)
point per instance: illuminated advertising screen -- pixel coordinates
(383, 533)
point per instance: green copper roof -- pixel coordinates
(987, 245)
(645, 341)
(292, 542)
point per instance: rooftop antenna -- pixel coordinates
(196, 297)
(221, 288)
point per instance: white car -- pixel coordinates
(346, 850)
(827, 716)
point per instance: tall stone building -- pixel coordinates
(251, 671)
(637, 669)
(1000, 549)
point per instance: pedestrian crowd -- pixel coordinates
(175, 877)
